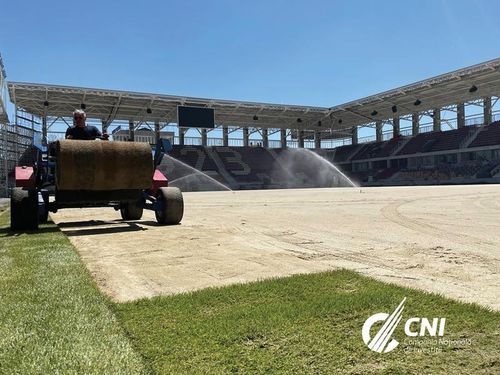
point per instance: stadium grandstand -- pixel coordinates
(442, 130)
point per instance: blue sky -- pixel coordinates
(295, 52)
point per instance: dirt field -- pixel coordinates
(443, 239)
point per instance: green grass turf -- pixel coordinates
(53, 319)
(305, 324)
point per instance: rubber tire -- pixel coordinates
(173, 206)
(23, 209)
(131, 210)
(44, 217)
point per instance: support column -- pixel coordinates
(203, 137)
(283, 138)
(487, 110)
(300, 139)
(436, 119)
(44, 130)
(131, 132)
(245, 137)
(460, 115)
(355, 135)
(395, 127)
(182, 132)
(265, 138)
(415, 123)
(378, 130)
(317, 139)
(104, 126)
(157, 132)
(225, 136)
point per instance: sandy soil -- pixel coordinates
(443, 239)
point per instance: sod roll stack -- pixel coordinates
(103, 165)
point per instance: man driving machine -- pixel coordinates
(81, 130)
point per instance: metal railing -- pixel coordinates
(235, 142)
(332, 143)
(215, 142)
(367, 139)
(189, 141)
(386, 136)
(479, 120)
(406, 132)
(425, 129)
(232, 142)
(274, 144)
(55, 136)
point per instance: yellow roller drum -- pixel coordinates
(102, 165)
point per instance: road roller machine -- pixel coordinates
(79, 174)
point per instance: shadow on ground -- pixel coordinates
(116, 227)
(7, 232)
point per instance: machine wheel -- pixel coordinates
(44, 213)
(173, 206)
(23, 209)
(131, 210)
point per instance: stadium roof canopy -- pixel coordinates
(460, 86)
(463, 85)
(110, 105)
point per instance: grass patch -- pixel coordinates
(53, 319)
(303, 324)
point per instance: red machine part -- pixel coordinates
(159, 180)
(25, 177)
